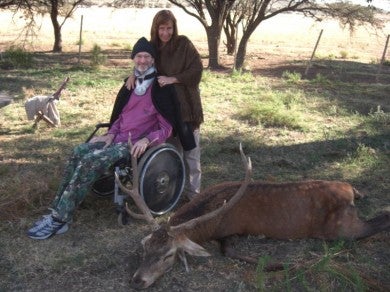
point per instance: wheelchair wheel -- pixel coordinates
(161, 178)
(104, 186)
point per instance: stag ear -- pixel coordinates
(190, 247)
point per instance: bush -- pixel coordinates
(16, 57)
(292, 77)
(97, 57)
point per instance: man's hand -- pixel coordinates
(140, 147)
(130, 82)
(108, 138)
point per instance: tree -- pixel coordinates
(55, 8)
(217, 10)
(256, 11)
(250, 13)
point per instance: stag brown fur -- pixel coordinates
(309, 209)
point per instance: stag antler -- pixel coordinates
(226, 205)
(134, 193)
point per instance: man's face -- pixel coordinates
(143, 61)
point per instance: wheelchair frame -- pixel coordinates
(164, 179)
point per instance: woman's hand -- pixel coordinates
(165, 80)
(140, 147)
(107, 139)
(130, 82)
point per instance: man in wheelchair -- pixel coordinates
(149, 114)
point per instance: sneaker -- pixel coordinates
(44, 217)
(39, 222)
(46, 227)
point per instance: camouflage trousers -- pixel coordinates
(87, 163)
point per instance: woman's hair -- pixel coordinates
(163, 17)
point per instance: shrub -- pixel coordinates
(97, 57)
(292, 77)
(343, 54)
(17, 57)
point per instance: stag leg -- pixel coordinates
(229, 251)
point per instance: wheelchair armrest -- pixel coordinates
(97, 127)
(102, 125)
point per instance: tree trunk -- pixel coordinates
(57, 48)
(241, 51)
(230, 33)
(213, 40)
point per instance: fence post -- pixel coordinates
(235, 49)
(314, 51)
(80, 37)
(383, 58)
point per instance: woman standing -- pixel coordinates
(179, 63)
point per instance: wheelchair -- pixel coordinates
(161, 179)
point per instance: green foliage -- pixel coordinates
(260, 274)
(97, 56)
(292, 77)
(277, 109)
(329, 267)
(271, 115)
(16, 57)
(242, 76)
(380, 118)
(321, 80)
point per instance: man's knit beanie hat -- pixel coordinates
(143, 45)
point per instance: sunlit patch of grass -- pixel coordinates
(271, 115)
(275, 109)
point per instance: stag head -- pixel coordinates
(166, 242)
(160, 251)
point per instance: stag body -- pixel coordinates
(309, 209)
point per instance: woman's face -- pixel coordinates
(165, 32)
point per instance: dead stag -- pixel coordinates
(309, 209)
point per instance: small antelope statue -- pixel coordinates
(43, 107)
(309, 209)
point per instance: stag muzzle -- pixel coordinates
(139, 283)
(146, 276)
